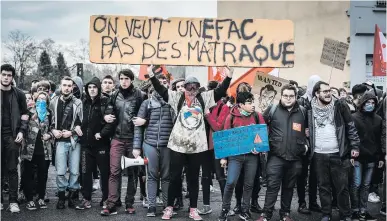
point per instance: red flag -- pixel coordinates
(379, 58)
(216, 74)
(144, 71)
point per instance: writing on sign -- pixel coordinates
(240, 140)
(192, 41)
(334, 53)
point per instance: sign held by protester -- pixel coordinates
(191, 41)
(267, 90)
(241, 140)
(334, 53)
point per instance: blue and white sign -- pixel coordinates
(241, 140)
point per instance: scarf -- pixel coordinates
(244, 113)
(323, 115)
(126, 92)
(41, 109)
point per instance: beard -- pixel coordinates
(324, 102)
(65, 95)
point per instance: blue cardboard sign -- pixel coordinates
(240, 140)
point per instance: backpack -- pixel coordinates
(273, 108)
(255, 117)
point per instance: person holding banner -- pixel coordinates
(188, 138)
(287, 124)
(243, 114)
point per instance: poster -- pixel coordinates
(334, 53)
(267, 90)
(191, 41)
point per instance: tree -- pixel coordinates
(45, 66)
(61, 69)
(22, 52)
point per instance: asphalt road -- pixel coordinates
(52, 214)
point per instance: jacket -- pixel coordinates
(34, 125)
(369, 127)
(287, 137)
(215, 120)
(158, 115)
(124, 109)
(93, 121)
(346, 132)
(235, 119)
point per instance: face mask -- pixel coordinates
(245, 113)
(369, 107)
(41, 109)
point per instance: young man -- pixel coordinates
(94, 142)
(369, 126)
(333, 140)
(77, 87)
(287, 123)
(243, 114)
(66, 127)
(14, 123)
(107, 85)
(122, 109)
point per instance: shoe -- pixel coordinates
(286, 217)
(373, 198)
(245, 216)
(383, 210)
(315, 207)
(355, 216)
(159, 202)
(237, 209)
(168, 213)
(103, 204)
(31, 205)
(61, 202)
(72, 199)
(194, 214)
(145, 202)
(262, 217)
(231, 213)
(178, 204)
(151, 212)
(21, 198)
(205, 210)
(109, 211)
(130, 209)
(85, 204)
(346, 219)
(303, 209)
(46, 199)
(42, 204)
(96, 185)
(14, 207)
(118, 203)
(255, 208)
(325, 218)
(365, 216)
(223, 215)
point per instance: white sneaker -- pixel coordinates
(96, 184)
(14, 208)
(159, 202)
(145, 202)
(373, 198)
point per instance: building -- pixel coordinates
(363, 16)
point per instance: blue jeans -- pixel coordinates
(235, 164)
(65, 153)
(362, 175)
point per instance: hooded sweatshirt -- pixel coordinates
(240, 120)
(78, 92)
(307, 97)
(369, 127)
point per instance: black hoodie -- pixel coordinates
(93, 121)
(369, 127)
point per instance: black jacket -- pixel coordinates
(302, 101)
(287, 137)
(124, 108)
(369, 127)
(346, 132)
(159, 123)
(93, 121)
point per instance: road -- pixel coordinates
(52, 214)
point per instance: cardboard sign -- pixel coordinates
(267, 90)
(191, 41)
(240, 140)
(334, 53)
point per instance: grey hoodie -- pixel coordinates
(79, 82)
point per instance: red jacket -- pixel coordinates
(240, 120)
(216, 121)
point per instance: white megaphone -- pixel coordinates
(129, 162)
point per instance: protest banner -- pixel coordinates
(334, 53)
(191, 41)
(240, 140)
(267, 90)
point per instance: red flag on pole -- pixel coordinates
(379, 58)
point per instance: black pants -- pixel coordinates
(178, 161)
(302, 180)
(256, 187)
(207, 164)
(220, 175)
(280, 174)
(42, 166)
(331, 165)
(90, 158)
(377, 178)
(9, 161)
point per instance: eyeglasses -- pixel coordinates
(191, 87)
(326, 91)
(180, 86)
(288, 96)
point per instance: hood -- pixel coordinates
(78, 81)
(96, 82)
(235, 111)
(311, 82)
(368, 96)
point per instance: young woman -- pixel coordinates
(37, 150)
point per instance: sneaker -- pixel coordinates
(245, 216)
(42, 204)
(303, 209)
(231, 213)
(255, 208)
(315, 207)
(85, 204)
(31, 205)
(205, 210)
(373, 198)
(130, 209)
(262, 217)
(151, 212)
(14, 208)
(286, 217)
(212, 189)
(159, 202)
(237, 209)
(194, 214)
(21, 198)
(145, 202)
(383, 210)
(103, 204)
(46, 199)
(168, 213)
(366, 217)
(109, 211)
(325, 218)
(96, 184)
(223, 215)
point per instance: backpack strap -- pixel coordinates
(201, 101)
(231, 121)
(256, 117)
(219, 109)
(180, 104)
(273, 108)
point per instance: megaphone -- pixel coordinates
(129, 162)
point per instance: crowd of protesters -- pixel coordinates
(328, 139)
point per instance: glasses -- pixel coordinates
(288, 96)
(326, 91)
(191, 87)
(43, 89)
(180, 86)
